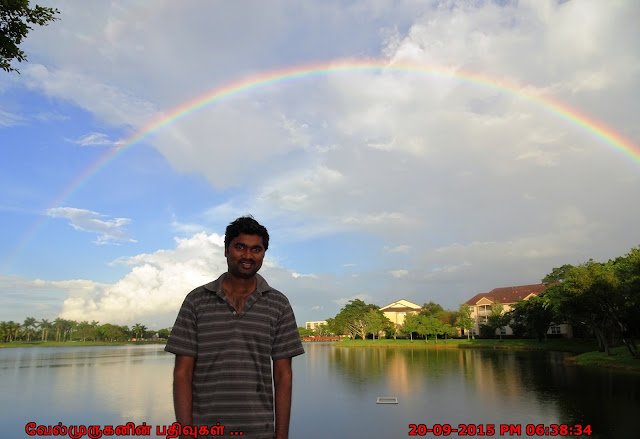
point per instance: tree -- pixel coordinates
(45, 327)
(58, 325)
(164, 333)
(448, 330)
(627, 270)
(138, 330)
(464, 321)
(429, 325)
(4, 331)
(558, 274)
(111, 332)
(589, 296)
(410, 325)
(304, 332)
(375, 321)
(14, 329)
(16, 18)
(350, 319)
(497, 320)
(430, 308)
(9, 330)
(533, 315)
(29, 326)
(86, 330)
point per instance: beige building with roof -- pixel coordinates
(480, 306)
(397, 310)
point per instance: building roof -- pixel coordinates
(508, 294)
(401, 305)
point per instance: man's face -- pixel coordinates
(244, 255)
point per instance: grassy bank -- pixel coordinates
(619, 359)
(53, 344)
(586, 350)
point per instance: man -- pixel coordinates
(225, 337)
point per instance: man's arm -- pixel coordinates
(182, 393)
(282, 380)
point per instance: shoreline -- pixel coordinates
(60, 344)
(585, 352)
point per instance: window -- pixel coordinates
(555, 329)
(503, 331)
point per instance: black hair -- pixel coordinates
(246, 225)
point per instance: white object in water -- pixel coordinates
(387, 400)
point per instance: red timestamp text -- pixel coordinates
(500, 430)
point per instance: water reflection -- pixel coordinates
(468, 386)
(335, 390)
(85, 385)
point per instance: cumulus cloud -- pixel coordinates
(464, 161)
(108, 230)
(155, 285)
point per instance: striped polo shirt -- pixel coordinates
(232, 380)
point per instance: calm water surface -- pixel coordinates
(335, 390)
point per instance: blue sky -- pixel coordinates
(374, 185)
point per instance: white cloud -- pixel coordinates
(399, 274)
(106, 101)
(298, 275)
(108, 231)
(404, 248)
(461, 154)
(344, 300)
(9, 119)
(93, 139)
(156, 284)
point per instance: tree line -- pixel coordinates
(358, 319)
(599, 300)
(61, 330)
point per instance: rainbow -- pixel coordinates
(592, 126)
(605, 134)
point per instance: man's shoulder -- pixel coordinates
(276, 294)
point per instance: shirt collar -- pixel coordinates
(216, 286)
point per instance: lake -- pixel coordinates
(335, 391)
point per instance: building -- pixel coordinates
(315, 325)
(396, 311)
(480, 306)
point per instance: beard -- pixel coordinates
(243, 273)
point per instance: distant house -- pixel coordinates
(480, 306)
(396, 311)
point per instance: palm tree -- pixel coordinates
(138, 330)
(58, 325)
(69, 327)
(4, 331)
(45, 326)
(14, 330)
(29, 325)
